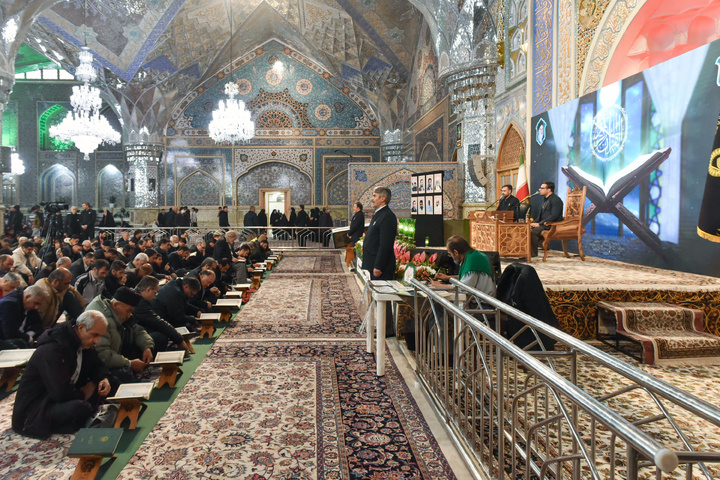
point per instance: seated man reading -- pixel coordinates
(64, 381)
(475, 269)
(125, 348)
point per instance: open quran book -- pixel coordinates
(621, 182)
(162, 358)
(15, 358)
(134, 390)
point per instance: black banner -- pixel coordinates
(709, 222)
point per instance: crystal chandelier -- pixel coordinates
(231, 122)
(17, 166)
(84, 126)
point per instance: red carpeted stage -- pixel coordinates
(574, 287)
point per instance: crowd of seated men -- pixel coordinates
(96, 313)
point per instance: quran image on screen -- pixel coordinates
(641, 146)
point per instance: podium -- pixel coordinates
(496, 232)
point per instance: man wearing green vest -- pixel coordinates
(475, 270)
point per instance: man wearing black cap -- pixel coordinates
(126, 348)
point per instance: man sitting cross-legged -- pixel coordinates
(64, 381)
(125, 348)
(159, 329)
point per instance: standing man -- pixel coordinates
(551, 211)
(87, 221)
(508, 201)
(357, 227)
(378, 252)
(250, 219)
(224, 216)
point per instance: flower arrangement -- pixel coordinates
(424, 264)
(359, 247)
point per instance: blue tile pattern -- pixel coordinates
(274, 175)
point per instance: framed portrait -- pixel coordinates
(438, 183)
(437, 205)
(421, 206)
(413, 205)
(413, 184)
(429, 205)
(421, 184)
(429, 183)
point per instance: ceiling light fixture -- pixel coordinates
(84, 126)
(231, 122)
(17, 167)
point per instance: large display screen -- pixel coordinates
(643, 208)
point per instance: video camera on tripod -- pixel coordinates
(52, 208)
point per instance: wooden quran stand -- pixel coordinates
(490, 233)
(10, 376)
(169, 374)
(207, 322)
(129, 408)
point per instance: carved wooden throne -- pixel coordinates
(571, 227)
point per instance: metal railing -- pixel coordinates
(279, 237)
(520, 412)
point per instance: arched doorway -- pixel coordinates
(512, 146)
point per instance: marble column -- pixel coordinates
(6, 85)
(143, 159)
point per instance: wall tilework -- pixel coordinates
(329, 162)
(274, 175)
(363, 177)
(543, 56)
(247, 158)
(337, 190)
(303, 100)
(434, 135)
(199, 189)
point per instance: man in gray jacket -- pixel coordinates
(126, 348)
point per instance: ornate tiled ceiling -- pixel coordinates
(175, 35)
(175, 45)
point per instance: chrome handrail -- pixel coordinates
(499, 414)
(658, 386)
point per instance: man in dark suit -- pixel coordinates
(87, 221)
(508, 202)
(551, 211)
(378, 252)
(357, 227)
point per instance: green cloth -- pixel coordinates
(475, 261)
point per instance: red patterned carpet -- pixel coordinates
(301, 306)
(574, 287)
(297, 410)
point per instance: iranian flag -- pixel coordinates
(522, 191)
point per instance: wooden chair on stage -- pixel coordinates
(571, 228)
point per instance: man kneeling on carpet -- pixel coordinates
(125, 348)
(65, 381)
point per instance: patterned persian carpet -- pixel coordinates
(560, 273)
(300, 306)
(300, 410)
(574, 287)
(310, 262)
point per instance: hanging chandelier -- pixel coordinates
(231, 122)
(84, 126)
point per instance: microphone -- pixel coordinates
(495, 202)
(530, 196)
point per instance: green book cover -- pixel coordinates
(95, 441)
